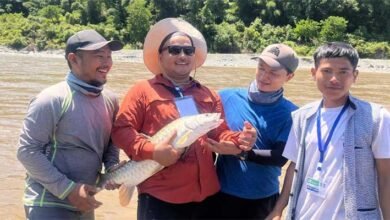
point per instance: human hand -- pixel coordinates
(248, 136)
(164, 153)
(111, 185)
(82, 197)
(223, 147)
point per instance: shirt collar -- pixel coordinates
(160, 79)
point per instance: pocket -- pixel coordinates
(368, 214)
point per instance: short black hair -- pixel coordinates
(169, 36)
(335, 50)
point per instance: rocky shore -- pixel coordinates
(217, 60)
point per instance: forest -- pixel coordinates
(229, 26)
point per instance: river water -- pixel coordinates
(23, 76)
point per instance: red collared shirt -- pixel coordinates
(148, 107)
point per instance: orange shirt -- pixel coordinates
(148, 107)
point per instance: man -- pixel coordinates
(338, 147)
(250, 180)
(66, 134)
(173, 48)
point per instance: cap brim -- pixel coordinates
(269, 61)
(114, 45)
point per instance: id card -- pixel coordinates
(186, 106)
(316, 186)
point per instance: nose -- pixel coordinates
(263, 74)
(334, 78)
(107, 61)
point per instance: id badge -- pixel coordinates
(316, 185)
(186, 106)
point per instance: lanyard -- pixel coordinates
(323, 147)
(178, 90)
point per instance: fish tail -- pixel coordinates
(125, 194)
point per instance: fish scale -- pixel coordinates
(188, 130)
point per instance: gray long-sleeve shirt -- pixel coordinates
(64, 140)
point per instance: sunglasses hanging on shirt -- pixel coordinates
(176, 50)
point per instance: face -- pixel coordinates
(269, 79)
(177, 66)
(92, 66)
(334, 78)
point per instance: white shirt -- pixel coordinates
(311, 206)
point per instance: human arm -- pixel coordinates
(383, 170)
(271, 157)
(128, 122)
(140, 113)
(246, 140)
(37, 136)
(282, 201)
(82, 197)
(111, 152)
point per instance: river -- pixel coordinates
(23, 76)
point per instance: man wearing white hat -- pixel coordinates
(172, 49)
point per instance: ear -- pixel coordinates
(290, 76)
(72, 58)
(355, 75)
(313, 73)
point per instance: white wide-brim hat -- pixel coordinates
(160, 30)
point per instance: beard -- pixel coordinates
(97, 83)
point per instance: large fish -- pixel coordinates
(132, 173)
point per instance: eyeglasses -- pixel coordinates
(176, 50)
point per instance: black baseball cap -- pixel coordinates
(89, 40)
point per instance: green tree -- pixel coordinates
(138, 22)
(333, 29)
(13, 30)
(51, 12)
(226, 39)
(94, 11)
(308, 31)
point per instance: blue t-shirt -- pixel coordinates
(273, 121)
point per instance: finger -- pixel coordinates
(213, 145)
(212, 141)
(93, 203)
(247, 135)
(247, 125)
(244, 147)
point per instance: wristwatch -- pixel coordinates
(243, 155)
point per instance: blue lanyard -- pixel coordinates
(323, 147)
(178, 90)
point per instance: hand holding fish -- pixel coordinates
(164, 153)
(247, 137)
(170, 142)
(82, 197)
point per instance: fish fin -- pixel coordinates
(125, 194)
(183, 138)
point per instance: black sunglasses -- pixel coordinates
(176, 50)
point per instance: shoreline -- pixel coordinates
(213, 60)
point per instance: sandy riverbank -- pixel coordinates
(216, 60)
